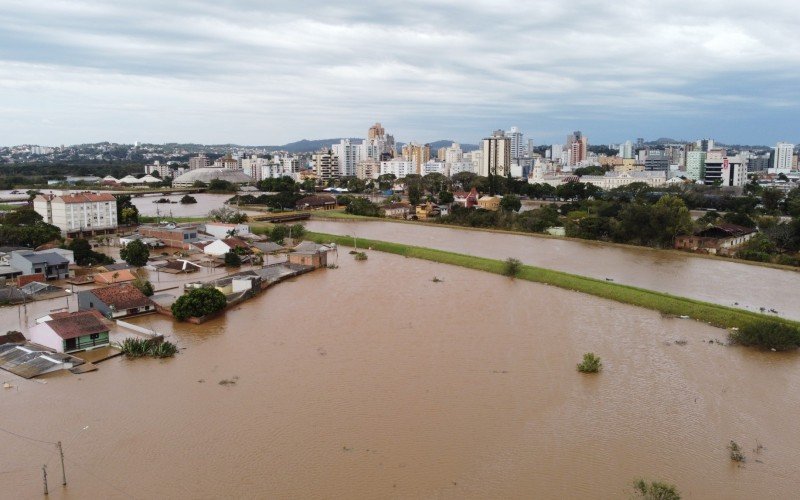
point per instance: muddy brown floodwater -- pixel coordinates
(372, 381)
(722, 282)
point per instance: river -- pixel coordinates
(723, 282)
(205, 203)
(372, 381)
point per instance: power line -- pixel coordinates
(26, 437)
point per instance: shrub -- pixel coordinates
(138, 348)
(187, 199)
(590, 364)
(655, 490)
(767, 334)
(512, 267)
(198, 302)
(736, 452)
(360, 256)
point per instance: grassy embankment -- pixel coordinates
(717, 315)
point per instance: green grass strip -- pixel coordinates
(716, 315)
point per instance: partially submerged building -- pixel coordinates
(116, 301)
(71, 332)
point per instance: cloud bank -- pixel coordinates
(255, 72)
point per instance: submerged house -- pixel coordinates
(51, 265)
(116, 301)
(70, 332)
(311, 254)
(719, 238)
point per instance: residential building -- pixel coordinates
(696, 165)
(460, 166)
(724, 170)
(348, 155)
(399, 210)
(368, 169)
(626, 150)
(417, 154)
(577, 148)
(219, 247)
(50, 265)
(717, 239)
(376, 132)
(516, 144)
(225, 230)
(326, 165)
(156, 167)
(171, 235)
(466, 199)
(496, 158)
(228, 162)
(453, 154)
(433, 167)
(783, 154)
(80, 213)
(316, 202)
(71, 332)
(199, 161)
(114, 277)
(254, 167)
(758, 163)
(399, 167)
(309, 253)
(116, 301)
(489, 203)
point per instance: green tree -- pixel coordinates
(144, 286)
(22, 217)
(127, 213)
(446, 197)
(135, 253)
(188, 199)
(198, 303)
(414, 193)
(591, 363)
(221, 186)
(278, 233)
(510, 203)
(85, 256)
(362, 206)
(232, 260)
(771, 199)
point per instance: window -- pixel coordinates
(94, 336)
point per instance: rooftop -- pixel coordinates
(122, 296)
(76, 324)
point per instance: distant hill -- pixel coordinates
(309, 146)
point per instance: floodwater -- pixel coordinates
(723, 282)
(205, 203)
(372, 381)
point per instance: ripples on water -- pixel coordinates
(371, 381)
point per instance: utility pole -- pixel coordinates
(44, 477)
(63, 473)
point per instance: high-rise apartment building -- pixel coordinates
(199, 161)
(783, 154)
(348, 155)
(326, 165)
(657, 160)
(577, 148)
(417, 154)
(454, 153)
(496, 155)
(695, 165)
(376, 132)
(517, 144)
(626, 150)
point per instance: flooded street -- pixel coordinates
(371, 381)
(718, 281)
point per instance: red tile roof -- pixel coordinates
(87, 197)
(77, 324)
(108, 277)
(122, 296)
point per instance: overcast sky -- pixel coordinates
(260, 72)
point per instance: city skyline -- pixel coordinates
(84, 72)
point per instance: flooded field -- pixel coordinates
(372, 381)
(719, 281)
(205, 203)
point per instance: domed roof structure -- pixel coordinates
(208, 174)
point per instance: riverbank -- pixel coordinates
(341, 216)
(713, 314)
